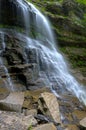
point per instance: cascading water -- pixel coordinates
(51, 63)
(8, 81)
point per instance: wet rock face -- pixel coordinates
(16, 63)
(11, 13)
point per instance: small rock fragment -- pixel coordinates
(32, 112)
(49, 126)
(72, 127)
(83, 124)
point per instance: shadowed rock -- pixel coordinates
(11, 13)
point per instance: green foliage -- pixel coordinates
(76, 56)
(68, 19)
(30, 127)
(84, 20)
(81, 1)
(12, 27)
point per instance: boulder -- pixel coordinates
(15, 121)
(83, 124)
(31, 98)
(49, 126)
(49, 106)
(13, 102)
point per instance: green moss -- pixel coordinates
(81, 1)
(76, 56)
(68, 28)
(30, 127)
(12, 27)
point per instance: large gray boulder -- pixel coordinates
(15, 121)
(13, 102)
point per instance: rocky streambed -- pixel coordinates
(41, 110)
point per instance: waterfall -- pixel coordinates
(38, 36)
(52, 62)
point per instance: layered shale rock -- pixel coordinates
(18, 62)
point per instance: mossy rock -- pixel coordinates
(4, 92)
(66, 17)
